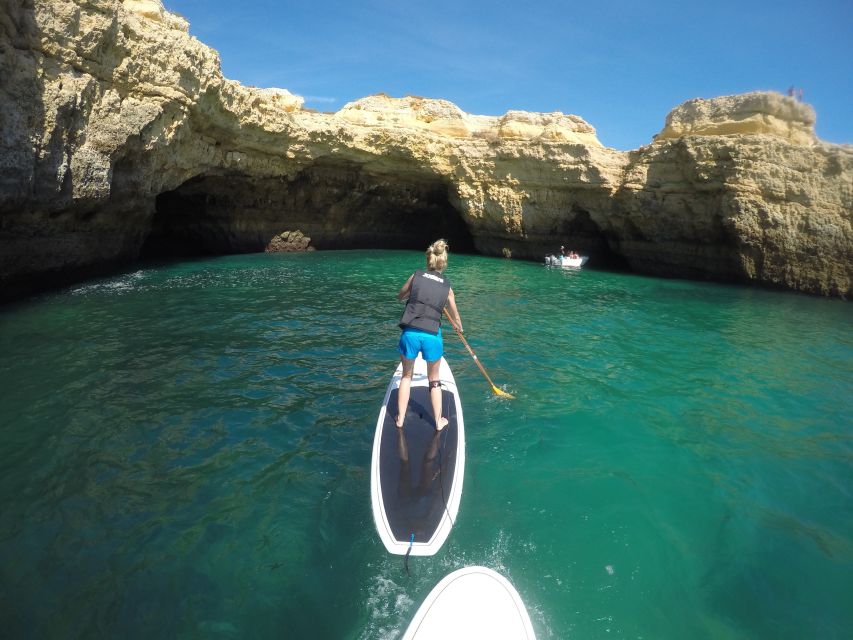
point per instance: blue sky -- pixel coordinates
(620, 65)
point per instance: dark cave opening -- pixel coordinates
(579, 232)
(338, 206)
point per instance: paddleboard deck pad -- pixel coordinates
(474, 602)
(417, 472)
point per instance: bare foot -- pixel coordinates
(399, 421)
(442, 422)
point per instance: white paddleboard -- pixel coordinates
(416, 473)
(474, 602)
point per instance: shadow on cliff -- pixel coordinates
(579, 232)
(50, 237)
(23, 120)
(337, 205)
(673, 224)
(580, 227)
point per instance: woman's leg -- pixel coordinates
(435, 393)
(405, 388)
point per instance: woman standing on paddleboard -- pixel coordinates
(428, 291)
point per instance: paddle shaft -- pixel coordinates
(474, 356)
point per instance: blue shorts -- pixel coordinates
(413, 341)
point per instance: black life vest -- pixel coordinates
(426, 302)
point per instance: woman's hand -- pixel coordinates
(453, 312)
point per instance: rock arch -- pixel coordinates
(338, 205)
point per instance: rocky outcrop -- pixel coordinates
(289, 242)
(120, 139)
(742, 208)
(751, 114)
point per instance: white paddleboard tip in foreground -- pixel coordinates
(474, 602)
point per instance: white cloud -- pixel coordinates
(320, 99)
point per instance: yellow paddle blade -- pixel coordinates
(502, 393)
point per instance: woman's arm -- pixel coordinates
(454, 312)
(406, 290)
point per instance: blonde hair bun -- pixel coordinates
(436, 255)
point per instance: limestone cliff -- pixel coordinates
(121, 138)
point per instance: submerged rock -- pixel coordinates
(121, 138)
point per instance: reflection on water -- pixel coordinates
(187, 448)
(429, 469)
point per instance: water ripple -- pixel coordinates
(186, 447)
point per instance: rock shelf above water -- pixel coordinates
(121, 139)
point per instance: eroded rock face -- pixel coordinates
(121, 138)
(740, 208)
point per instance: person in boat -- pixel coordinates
(426, 293)
(562, 252)
(572, 254)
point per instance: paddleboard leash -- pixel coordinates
(441, 479)
(408, 551)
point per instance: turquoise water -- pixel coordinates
(186, 453)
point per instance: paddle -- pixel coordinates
(495, 390)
